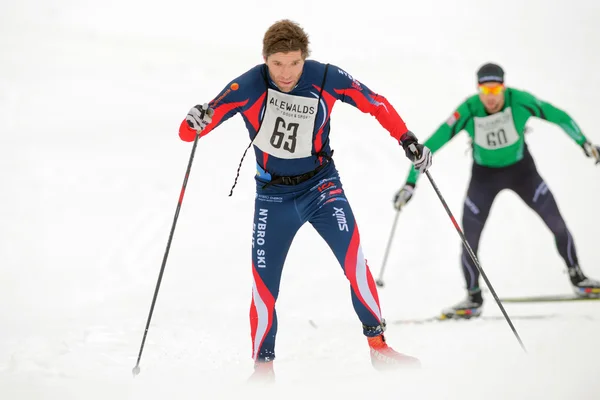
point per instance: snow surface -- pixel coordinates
(91, 97)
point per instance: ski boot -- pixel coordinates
(582, 285)
(263, 373)
(383, 357)
(469, 308)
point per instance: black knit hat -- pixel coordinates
(490, 73)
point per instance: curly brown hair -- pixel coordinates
(285, 36)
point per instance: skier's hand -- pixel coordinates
(417, 153)
(403, 196)
(199, 117)
(592, 150)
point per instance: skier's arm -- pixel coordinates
(225, 105)
(546, 111)
(350, 91)
(561, 118)
(445, 132)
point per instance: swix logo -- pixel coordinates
(325, 186)
(340, 216)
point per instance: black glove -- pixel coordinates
(417, 153)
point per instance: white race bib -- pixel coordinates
(496, 131)
(287, 127)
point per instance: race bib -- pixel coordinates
(287, 127)
(496, 131)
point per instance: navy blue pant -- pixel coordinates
(279, 213)
(524, 179)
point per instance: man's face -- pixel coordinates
(491, 95)
(285, 69)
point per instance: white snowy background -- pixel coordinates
(91, 165)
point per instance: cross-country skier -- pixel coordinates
(495, 120)
(286, 103)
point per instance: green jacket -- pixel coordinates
(498, 139)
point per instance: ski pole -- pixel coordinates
(474, 258)
(136, 369)
(379, 280)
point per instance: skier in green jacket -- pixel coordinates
(495, 120)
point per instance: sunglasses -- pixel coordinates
(496, 89)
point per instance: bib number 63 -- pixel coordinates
(284, 134)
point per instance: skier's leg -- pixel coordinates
(478, 203)
(481, 193)
(275, 225)
(537, 195)
(334, 221)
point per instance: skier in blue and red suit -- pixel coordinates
(286, 104)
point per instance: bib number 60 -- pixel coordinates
(496, 139)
